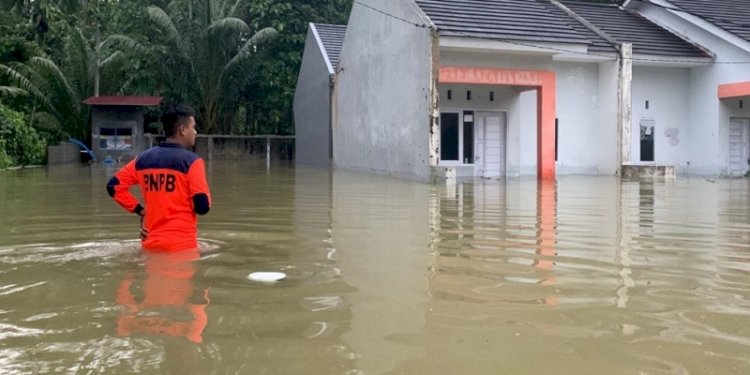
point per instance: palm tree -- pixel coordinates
(201, 53)
(56, 90)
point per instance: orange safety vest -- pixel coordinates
(172, 179)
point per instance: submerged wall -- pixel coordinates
(312, 105)
(383, 91)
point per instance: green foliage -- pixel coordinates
(272, 96)
(21, 144)
(235, 61)
(197, 52)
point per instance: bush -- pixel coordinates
(5, 160)
(21, 144)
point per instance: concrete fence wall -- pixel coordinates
(65, 153)
(209, 147)
(236, 147)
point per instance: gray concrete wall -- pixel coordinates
(383, 91)
(312, 105)
(64, 153)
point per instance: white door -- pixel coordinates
(490, 144)
(739, 146)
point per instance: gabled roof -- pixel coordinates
(123, 100)
(730, 15)
(508, 20)
(625, 27)
(332, 37)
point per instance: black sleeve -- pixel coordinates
(111, 186)
(200, 204)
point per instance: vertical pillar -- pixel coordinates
(268, 152)
(546, 108)
(625, 105)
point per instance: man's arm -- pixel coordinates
(199, 187)
(119, 185)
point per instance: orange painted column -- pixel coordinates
(546, 107)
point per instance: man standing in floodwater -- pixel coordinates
(173, 182)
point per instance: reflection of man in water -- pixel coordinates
(166, 302)
(173, 182)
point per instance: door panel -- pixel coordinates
(491, 145)
(739, 146)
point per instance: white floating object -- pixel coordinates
(267, 277)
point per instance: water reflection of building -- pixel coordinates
(494, 241)
(379, 227)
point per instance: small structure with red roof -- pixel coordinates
(117, 125)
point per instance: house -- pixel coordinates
(435, 89)
(117, 125)
(715, 96)
(313, 95)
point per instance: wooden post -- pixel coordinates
(268, 152)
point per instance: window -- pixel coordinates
(647, 139)
(457, 137)
(120, 139)
(449, 136)
(468, 137)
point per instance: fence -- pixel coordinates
(235, 147)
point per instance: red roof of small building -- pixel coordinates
(123, 100)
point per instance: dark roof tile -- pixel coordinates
(625, 27)
(510, 20)
(730, 15)
(332, 37)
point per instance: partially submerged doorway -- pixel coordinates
(739, 146)
(490, 144)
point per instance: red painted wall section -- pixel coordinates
(543, 81)
(734, 90)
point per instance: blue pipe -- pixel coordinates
(83, 147)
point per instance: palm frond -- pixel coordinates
(20, 81)
(233, 10)
(228, 25)
(263, 36)
(162, 20)
(114, 58)
(248, 48)
(58, 75)
(12, 91)
(123, 42)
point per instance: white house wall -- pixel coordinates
(667, 91)
(383, 94)
(708, 126)
(312, 107)
(587, 137)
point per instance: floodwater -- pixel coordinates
(592, 275)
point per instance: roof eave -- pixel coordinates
(510, 46)
(670, 61)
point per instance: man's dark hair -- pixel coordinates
(174, 116)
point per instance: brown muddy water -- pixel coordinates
(592, 275)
